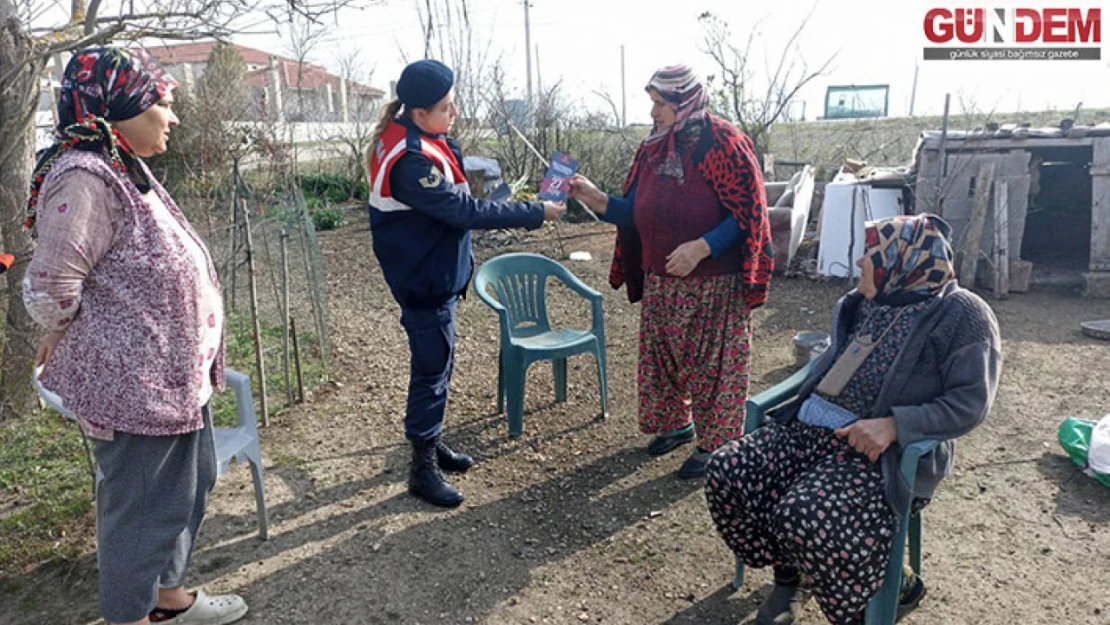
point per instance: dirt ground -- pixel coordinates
(573, 522)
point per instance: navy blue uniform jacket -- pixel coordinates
(426, 253)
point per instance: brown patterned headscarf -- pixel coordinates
(911, 255)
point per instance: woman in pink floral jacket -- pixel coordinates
(132, 305)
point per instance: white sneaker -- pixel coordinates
(212, 610)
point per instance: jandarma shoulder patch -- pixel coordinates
(432, 180)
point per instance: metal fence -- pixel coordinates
(275, 295)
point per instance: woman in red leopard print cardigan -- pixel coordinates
(694, 244)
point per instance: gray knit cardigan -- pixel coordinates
(941, 385)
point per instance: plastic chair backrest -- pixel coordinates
(520, 284)
(49, 397)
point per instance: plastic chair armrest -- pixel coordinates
(783, 391)
(578, 286)
(911, 454)
(488, 299)
(49, 397)
(240, 383)
(498, 307)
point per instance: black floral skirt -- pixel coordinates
(799, 496)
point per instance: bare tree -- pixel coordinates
(604, 149)
(360, 117)
(32, 32)
(449, 36)
(754, 102)
(507, 146)
(214, 130)
(303, 34)
(19, 72)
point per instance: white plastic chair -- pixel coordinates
(240, 443)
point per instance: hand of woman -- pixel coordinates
(46, 348)
(586, 192)
(553, 211)
(685, 258)
(870, 437)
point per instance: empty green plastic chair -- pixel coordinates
(519, 284)
(883, 608)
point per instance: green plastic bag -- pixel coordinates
(1074, 435)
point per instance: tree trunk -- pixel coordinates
(18, 100)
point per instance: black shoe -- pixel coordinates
(452, 461)
(910, 595)
(425, 480)
(667, 443)
(694, 467)
(783, 606)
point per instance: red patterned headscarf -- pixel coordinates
(102, 85)
(911, 256)
(681, 88)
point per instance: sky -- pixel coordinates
(579, 42)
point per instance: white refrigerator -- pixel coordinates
(846, 208)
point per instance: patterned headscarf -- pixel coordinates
(681, 88)
(911, 256)
(102, 85)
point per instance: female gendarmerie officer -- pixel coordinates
(421, 215)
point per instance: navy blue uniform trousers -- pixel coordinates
(431, 333)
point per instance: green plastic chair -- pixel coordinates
(883, 608)
(520, 284)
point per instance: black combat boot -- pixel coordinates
(425, 480)
(452, 461)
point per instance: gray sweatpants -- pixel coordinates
(151, 492)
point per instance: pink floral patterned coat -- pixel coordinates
(125, 292)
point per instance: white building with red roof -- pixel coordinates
(283, 89)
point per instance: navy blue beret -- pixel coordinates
(423, 83)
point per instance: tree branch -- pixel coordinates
(138, 17)
(90, 16)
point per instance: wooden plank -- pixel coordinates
(1021, 275)
(1017, 190)
(971, 239)
(259, 357)
(954, 146)
(283, 241)
(1001, 240)
(1100, 208)
(944, 137)
(953, 193)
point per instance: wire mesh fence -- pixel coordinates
(275, 295)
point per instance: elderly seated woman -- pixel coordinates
(815, 493)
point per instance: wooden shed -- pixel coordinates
(1051, 185)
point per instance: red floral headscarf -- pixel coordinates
(102, 85)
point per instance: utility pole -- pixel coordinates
(540, 108)
(539, 74)
(528, 51)
(913, 91)
(624, 109)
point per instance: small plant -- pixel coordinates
(334, 188)
(314, 203)
(327, 218)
